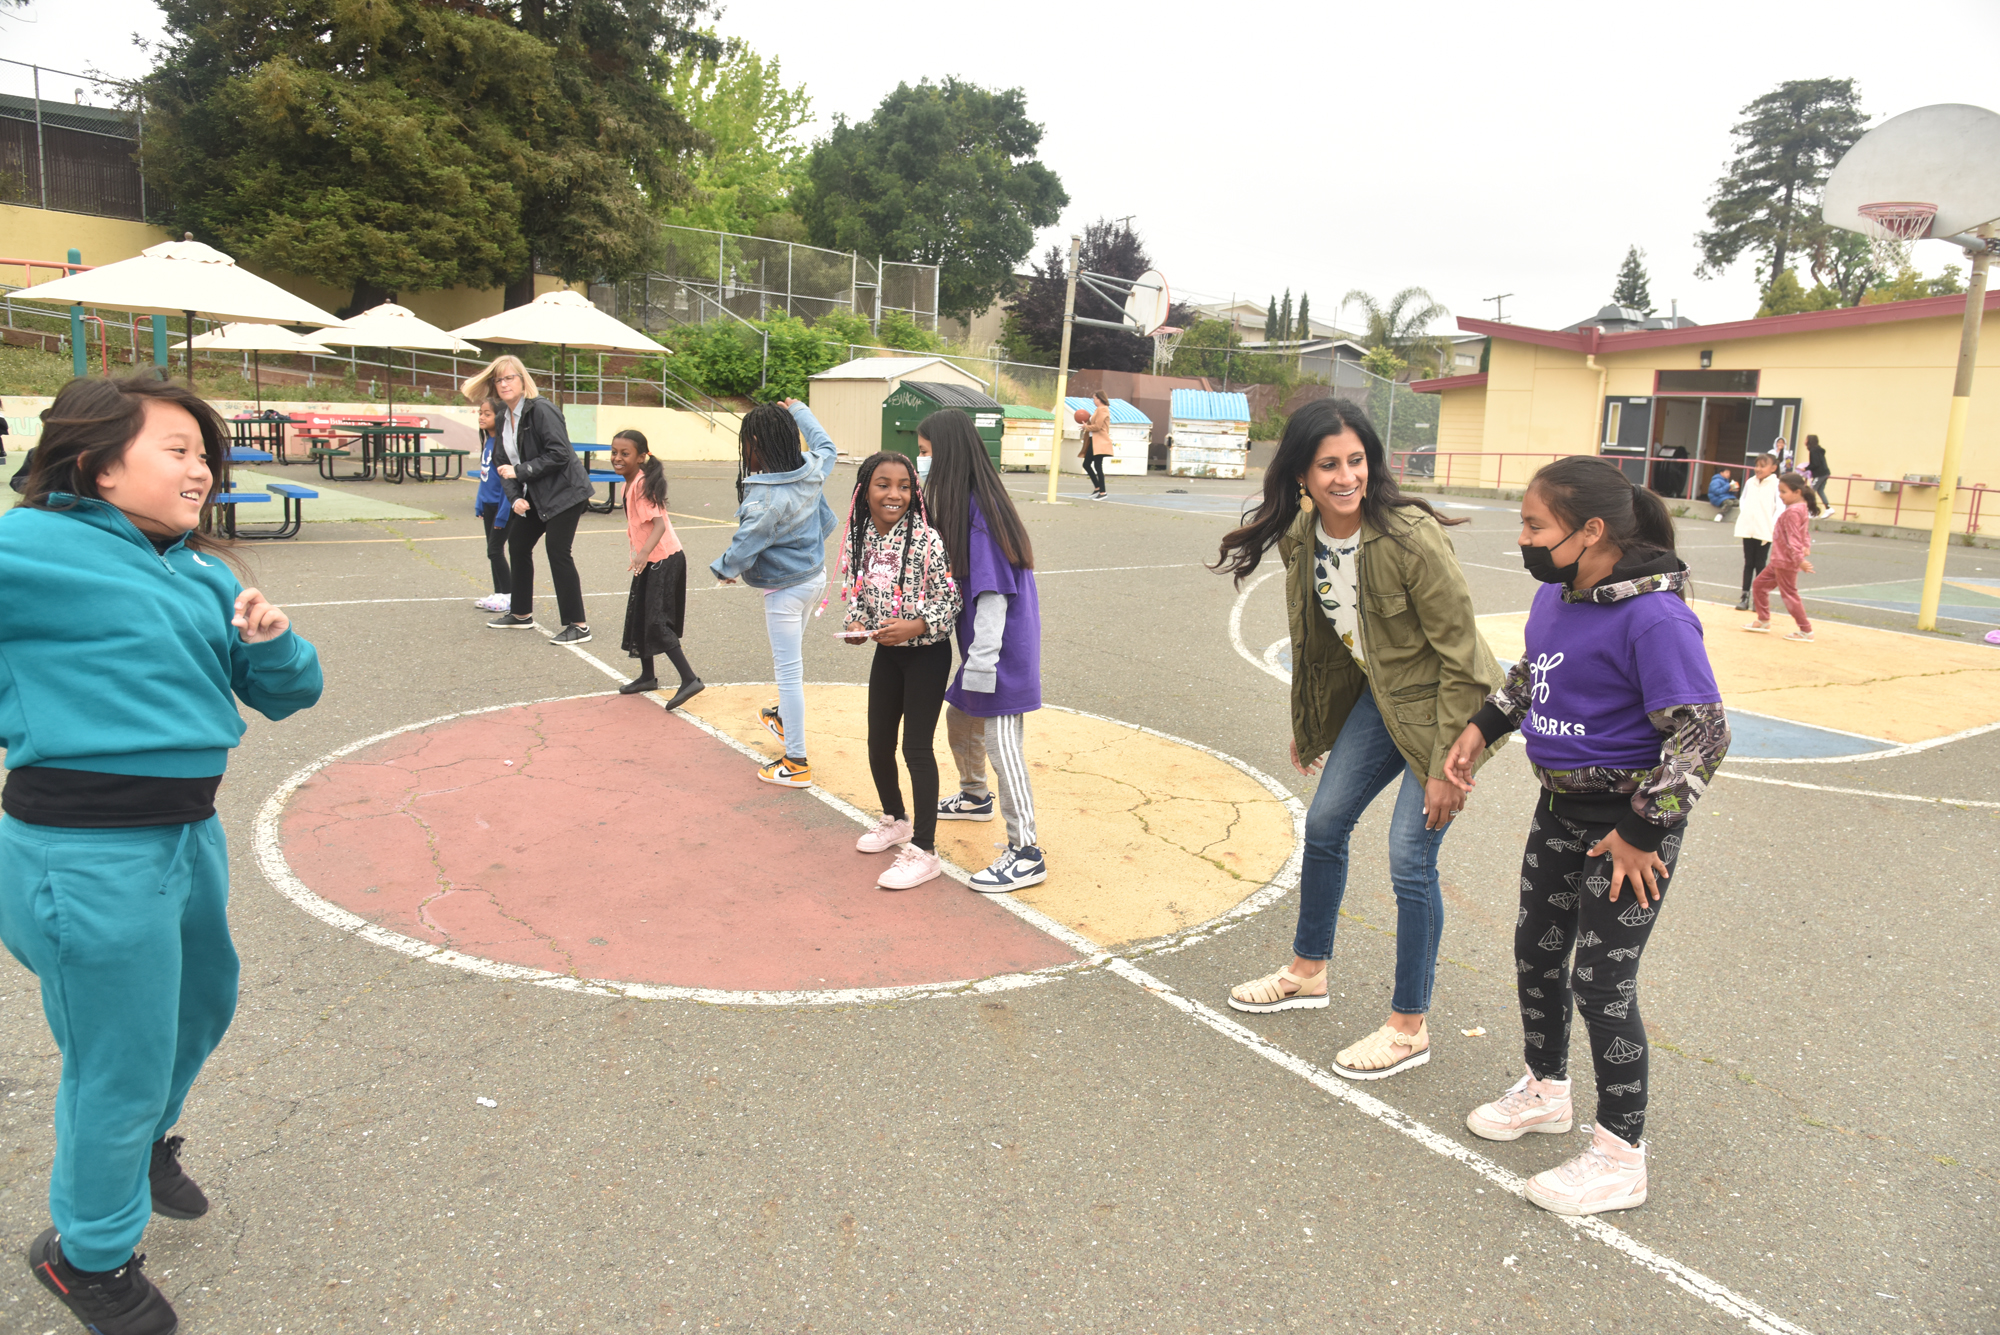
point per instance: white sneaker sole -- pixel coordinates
(1489, 1131)
(964, 815)
(1630, 1200)
(1413, 1060)
(785, 783)
(1018, 883)
(866, 845)
(886, 884)
(1317, 1003)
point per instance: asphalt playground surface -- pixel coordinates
(553, 1019)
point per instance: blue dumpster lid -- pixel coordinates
(1121, 411)
(1207, 405)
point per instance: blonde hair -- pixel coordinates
(481, 385)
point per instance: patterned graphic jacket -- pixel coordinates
(1645, 805)
(898, 578)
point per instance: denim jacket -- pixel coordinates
(784, 520)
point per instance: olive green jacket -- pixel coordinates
(1428, 666)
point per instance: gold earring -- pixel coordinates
(1305, 500)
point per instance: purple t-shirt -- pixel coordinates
(1018, 688)
(1595, 670)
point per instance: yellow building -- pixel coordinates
(1676, 405)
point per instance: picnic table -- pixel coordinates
(293, 497)
(399, 452)
(263, 432)
(333, 438)
(606, 476)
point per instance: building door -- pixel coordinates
(1628, 431)
(1772, 420)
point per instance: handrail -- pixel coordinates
(29, 267)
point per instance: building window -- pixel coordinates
(1705, 382)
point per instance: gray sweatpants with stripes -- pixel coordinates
(1002, 738)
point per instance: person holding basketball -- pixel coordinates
(1096, 443)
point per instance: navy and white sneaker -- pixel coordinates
(1017, 867)
(961, 807)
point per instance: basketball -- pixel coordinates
(1083, 414)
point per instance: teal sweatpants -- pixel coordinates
(128, 932)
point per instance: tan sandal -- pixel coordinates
(1281, 991)
(1384, 1052)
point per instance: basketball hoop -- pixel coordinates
(1165, 339)
(1891, 226)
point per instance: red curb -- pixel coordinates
(624, 843)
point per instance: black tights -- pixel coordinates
(496, 547)
(1093, 468)
(906, 686)
(675, 655)
(1565, 906)
(1755, 554)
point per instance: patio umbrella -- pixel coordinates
(565, 318)
(255, 339)
(181, 278)
(388, 327)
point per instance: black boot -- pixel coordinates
(174, 1193)
(109, 1302)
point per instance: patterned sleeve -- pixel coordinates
(1697, 740)
(938, 601)
(1506, 707)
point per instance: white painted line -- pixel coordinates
(1594, 1227)
(370, 602)
(1100, 570)
(1236, 627)
(1859, 792)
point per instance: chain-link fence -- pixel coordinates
(58, 153)
(708, 275)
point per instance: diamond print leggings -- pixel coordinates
(1565, 906)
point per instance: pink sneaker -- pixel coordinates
(1531, 1105)
(913, 866)
(1610, 1175)
(888, 832)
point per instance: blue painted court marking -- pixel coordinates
(1963, 598)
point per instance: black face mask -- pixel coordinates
(1541, 563)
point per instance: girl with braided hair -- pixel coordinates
(896, 581)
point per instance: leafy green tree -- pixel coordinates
(1785, 295)
(1631, 291)
(1768, 201)
(1401, 329)
(753, 160)
(940, 174)
(1383, 361)
(1908, 285)
(1844, 263)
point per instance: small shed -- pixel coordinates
(1026, 436)
(1209, 434)
(1131, 438)
(847, 399)
(914, 400)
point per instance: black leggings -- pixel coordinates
(523, 532)
(1564, 905)
(1093, 468)
(906, 686)
(1755, 554)
(496, 547)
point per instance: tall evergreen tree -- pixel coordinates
(1305, 320)
(1271, 321)
(1285, 315)
(1768, 201)
(1631, 291)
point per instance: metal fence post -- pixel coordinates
(79, 358)
(878, 292)
(41, 154)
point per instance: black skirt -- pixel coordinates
(656, 609)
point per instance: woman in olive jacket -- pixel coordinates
(547, 486)
(1387, 668)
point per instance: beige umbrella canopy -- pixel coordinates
(565, 318)
(255, 339)
(181, 278)
(389, 326)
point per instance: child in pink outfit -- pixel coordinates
(1791, 541)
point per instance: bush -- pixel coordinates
(898, 330)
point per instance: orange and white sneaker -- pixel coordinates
(1610, 1175)
(1533, 1104)
(787, 773)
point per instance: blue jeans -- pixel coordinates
(786, 612)
(1363, 762)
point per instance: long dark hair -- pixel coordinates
(1584, 487)
(94, 421)
(655, 476)
(768, 442)
(1798, 483)
(1244, 548)
(961, 471)
(859, 519)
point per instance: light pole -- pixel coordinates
(1062, 367)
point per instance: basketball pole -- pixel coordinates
(1062, 368)
(1954, 432)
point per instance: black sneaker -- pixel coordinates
(1743, 603)
(508, 621)
(113, 1302)
(688, 691)
(640, 686)
(175, 1194)
(571, 635)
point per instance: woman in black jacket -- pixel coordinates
(546, 484)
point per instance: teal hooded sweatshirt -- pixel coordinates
(119, 659)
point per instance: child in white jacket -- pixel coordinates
(1755, 517)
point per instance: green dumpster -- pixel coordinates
(914, 400)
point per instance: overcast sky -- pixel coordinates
(1468, 148)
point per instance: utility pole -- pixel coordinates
(1954, 432)
(1499, 314)
(1056, 445)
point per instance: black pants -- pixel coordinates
(1093, 468)
(1755, 554)
(1565, 906)
(906, 686)
(496, 547)
(523, 532)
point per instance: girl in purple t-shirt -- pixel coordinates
(999, 643)
(1625, 728)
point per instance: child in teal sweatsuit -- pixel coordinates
(125, 643)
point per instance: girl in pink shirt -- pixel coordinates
(656, 609)
(1791, 540)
